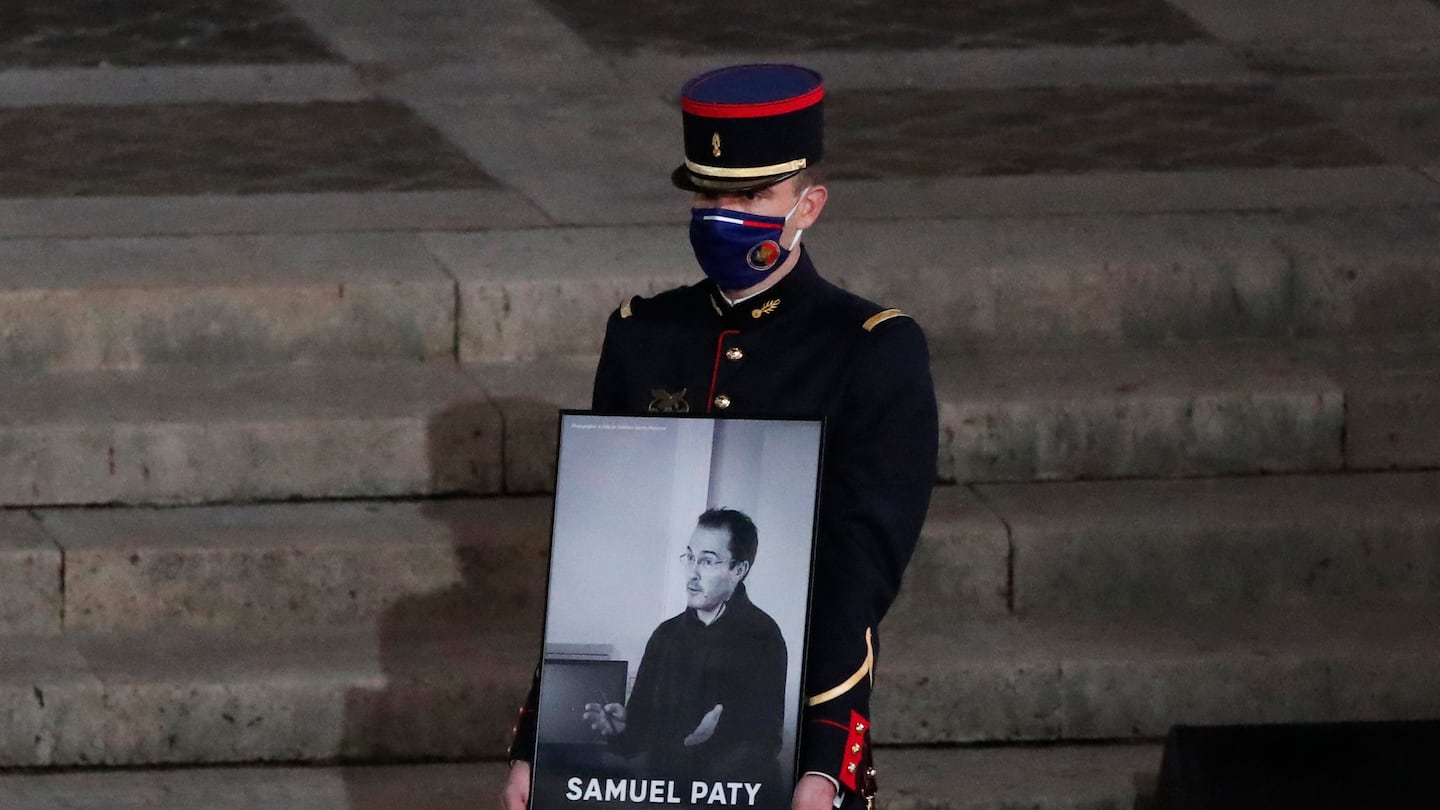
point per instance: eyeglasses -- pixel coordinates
(707, 563)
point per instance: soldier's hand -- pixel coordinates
(813, 792)
(608, 719)
(707, 726)
(516, 795)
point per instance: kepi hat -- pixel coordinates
(750, 126)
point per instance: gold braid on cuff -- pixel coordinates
(850, 682)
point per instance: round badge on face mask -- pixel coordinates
(738, 249)
(764, 256)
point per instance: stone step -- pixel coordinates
(193, 435)
(1153, 547)
(297, 566)
(1003, 283)
(1392, 393)
(1095, 675)
(1062, 777)
(1185, 410)
(204, 435)
(400, 691)
(32, 584)
(1147, 547)
(1199, 409)
(1037, 778)
(78, 305)
(1148, 279)
(1033, 282)
(408, 691)
(198, 435)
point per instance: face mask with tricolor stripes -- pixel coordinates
(738, 250)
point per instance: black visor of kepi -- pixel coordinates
(749, 126)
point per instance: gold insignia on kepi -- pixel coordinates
(668, 402)
(715, 144)
(765, 308)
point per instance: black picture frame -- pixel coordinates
(641, 639)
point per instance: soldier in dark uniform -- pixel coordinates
(766, 335)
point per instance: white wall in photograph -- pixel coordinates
(624, 489)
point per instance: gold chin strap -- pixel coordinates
(850, 682)
(746, 172)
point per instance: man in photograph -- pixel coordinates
(765, 335)
(708, 700)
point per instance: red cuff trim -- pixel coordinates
(854, 757)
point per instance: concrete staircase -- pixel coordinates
(275, 467)
(1127, 533)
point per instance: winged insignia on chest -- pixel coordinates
(668, 401)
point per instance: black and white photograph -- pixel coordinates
(676, 611)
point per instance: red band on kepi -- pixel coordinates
(756, 110)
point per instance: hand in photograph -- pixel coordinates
(706, 729)
(609, 719)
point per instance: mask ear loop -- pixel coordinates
(795, 241)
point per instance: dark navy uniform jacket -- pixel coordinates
(802, 348)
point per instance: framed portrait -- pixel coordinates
(677, 607)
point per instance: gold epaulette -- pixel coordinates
(625, 307)
(881, 317)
